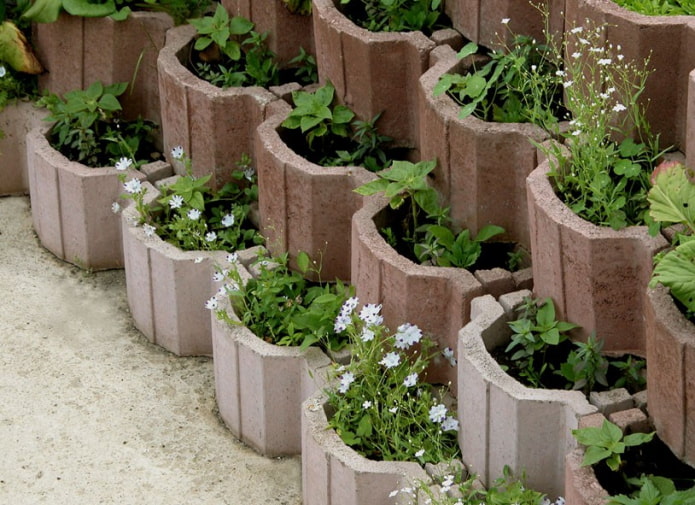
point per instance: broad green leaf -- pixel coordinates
(676, 271)
(303, 261)
(594, 454)
(637, 438)
(43, 11)
(88, 9)
(342, 114)
(488, 231)
(240, 26)
(201, 43)
(372, 187)
(364, 428)
(672, 198)
(467, 110)
(467, 50)
(109, 102)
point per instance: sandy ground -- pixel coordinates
(91, 412)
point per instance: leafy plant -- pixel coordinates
(193, 217)
(655, 490)
(87, 129)
(607, 443)
(659, 7)
(520, 83)
(631, 373)
(672, 200)
(602, 172)
(306, 70)
(395, 15)
(442, 248)
(381, 404)
(282, 307)
(231, 53)
(47, 11)
(586, 366)
(301, 7)
(332, 134)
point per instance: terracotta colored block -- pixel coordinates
(667, 42)
(690, 121)
(581, 485)
(477, 160)
(670, 354)
(595, 275)
(304, 206)
(372, 72)
(496, 281)
(260, 387)
(334, 474)
(16, 120)
(504, 422)
(631, 421)
(287, 32)
(78, 51)
(196, 114)
(71, 206)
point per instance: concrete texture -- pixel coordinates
(197, 114)
(504, 422)
(93, 413)
(581, 485)
(294, 199)
(596, 276)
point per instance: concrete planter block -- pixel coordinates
(476, 159)
(304, 206)
(287, 32)
(334, 474)
(481, 20)
(77, 51)
(16, 120)
(71, 206)
(671, 373)
(167, 288)
(690, 119)
(372, 72)
(581, 485)
(669, 44)
(260, 387)
(596, 276)
(197, 114)
(504, 422)
(437, 299)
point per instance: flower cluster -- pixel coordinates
(383, 406)
(192, 216)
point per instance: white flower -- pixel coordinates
(232, 257)
(210, 236)
(367, 335)
(218, 277)
(177, 152)
(576, 133)
(620, 58)
(345, 381)
(193, 214)
(228, 220)
(450, 424)
(505, 21)
(211, 304)
(3, 71)
(610, 90)
(393, 410)
(366, 404)
(407, 335)
(447, 483)
(583, 41)
(595, 49)
(198, 259)
(533, 68)
(603, 96)
(438, 413)
(619, 107)
(567, 84)
(115, 207)
(133, 186)
(391, 360)
(123, 164)
(349, 305)
(341, 323)
(420, 453)
(576, 55)
(176, 201)
(410, 380)
(560, 73)
(448, 353)
(393, 493)
(577, 29)
(249, 173)
(149, 230)
(604, 61)
(370, 314)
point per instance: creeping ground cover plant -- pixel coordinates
(381, 403)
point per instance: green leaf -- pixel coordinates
(488, 231)
(372, 187)
(676, 271)
(638, 438)
(467, 110)
(672, 198)
(467, 50)
(364, 428)
(88, 9)
(594, 454)
(303, 261)
(240, 26)
(109, 103)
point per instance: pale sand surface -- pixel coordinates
(91, 412)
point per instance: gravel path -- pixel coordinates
(91, 412)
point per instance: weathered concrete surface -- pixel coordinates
(90, 412)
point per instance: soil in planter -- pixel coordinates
(652, 458)
(359, 13)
